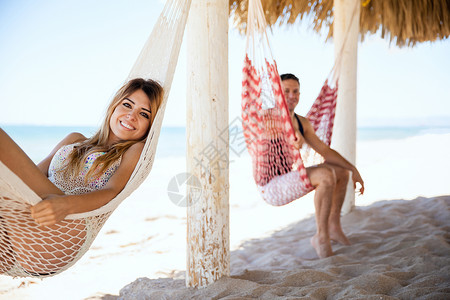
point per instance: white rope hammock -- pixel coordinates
(29, 250)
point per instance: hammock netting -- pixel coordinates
(27, 249)
(278, 168)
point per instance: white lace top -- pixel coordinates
(77, 185)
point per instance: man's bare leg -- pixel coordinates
(323, 179)
(334, 221)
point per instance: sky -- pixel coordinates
(61, 62)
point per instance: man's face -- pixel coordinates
(291, 90)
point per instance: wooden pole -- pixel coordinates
(344, 135)
(208, 254)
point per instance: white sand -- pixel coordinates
(400, 248)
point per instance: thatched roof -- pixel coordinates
(403, 22)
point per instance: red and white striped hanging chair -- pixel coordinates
(278, 168)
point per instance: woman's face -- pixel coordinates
(130, 120)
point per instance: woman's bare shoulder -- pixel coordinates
(73, 137)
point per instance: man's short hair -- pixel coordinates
(287, 76)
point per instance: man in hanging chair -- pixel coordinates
(329, 179)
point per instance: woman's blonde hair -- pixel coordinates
(98, 142)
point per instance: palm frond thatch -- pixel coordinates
(404, 22)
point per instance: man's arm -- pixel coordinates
(331, 156)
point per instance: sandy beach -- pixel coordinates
(399, 232)
(402, 254)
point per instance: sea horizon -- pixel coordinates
(38, 140)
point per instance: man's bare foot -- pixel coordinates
(322, 246)
(337, 235)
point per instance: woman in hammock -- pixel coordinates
(82, 174)
(328, 179)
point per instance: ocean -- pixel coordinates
(38, 141)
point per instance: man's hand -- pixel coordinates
(51, 210)
(356, 177)
(298, 143)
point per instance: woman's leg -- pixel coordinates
(37, 249)
(19, 163)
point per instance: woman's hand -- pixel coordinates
(51, 210)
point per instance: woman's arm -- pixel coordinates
(70, 139)
(55, 208)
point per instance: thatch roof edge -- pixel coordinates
(403, 22)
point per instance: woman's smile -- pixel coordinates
(130, 120)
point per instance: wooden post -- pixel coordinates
(344, 135)
(208, 254)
